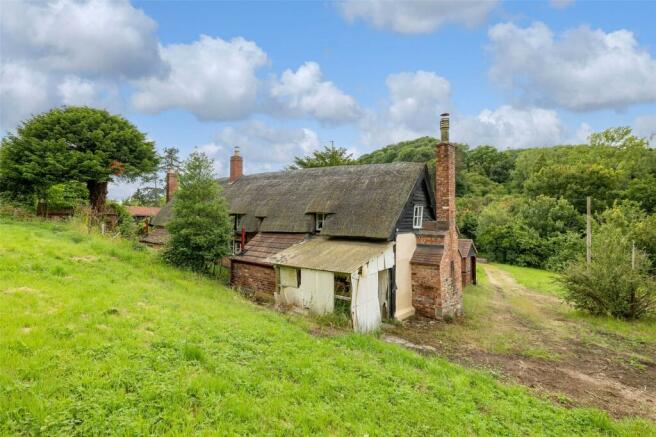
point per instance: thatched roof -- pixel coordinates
(362, 200)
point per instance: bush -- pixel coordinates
(127, 228)
(201, 231)
(563, 249)
(609, 285)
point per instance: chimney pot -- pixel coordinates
(236, 166)
(444, 127)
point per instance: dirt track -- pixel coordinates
(588, 373)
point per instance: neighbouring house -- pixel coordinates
(155, 234)
(375, 241)
(468, 253)
(141, 213)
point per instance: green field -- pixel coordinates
(99, 338)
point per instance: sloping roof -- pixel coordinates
(262, 246)
(143, 211)
(331, 255)
(465, 247)
(361, 200)
(427, 254)
(157, 236)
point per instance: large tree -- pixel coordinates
(74, 144)
(327, 157)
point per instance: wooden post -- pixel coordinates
(588, 231)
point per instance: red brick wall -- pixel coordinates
(437, 289)
(426, 290)
(430, 239)
(466, 271)
(253, 277)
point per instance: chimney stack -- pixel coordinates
(445, 176)
(236, 166)
(171, 184)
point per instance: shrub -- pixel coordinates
(126, 227)
(563, 249)
(201, 231)
(610, 285)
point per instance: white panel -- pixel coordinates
(287, 277)
(365, 309)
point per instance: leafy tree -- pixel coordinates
(643, 191)
(490, 162)
(575, 182)
(170, 159)
(549, 216)
(610, 284)
(562, 249)
(327, 157)
(513, 243)
(147, 196)
(66, 195)
(201, 231)
(79, 144)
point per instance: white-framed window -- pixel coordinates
(238, 221)
(418, 216)
(236, 247)
(319, 220)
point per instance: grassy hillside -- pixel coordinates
(98, 338)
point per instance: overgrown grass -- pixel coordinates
(538, 280)
(542, 281)
(98, 338)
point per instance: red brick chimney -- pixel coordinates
(445, 177)
(445, 200)
(171, 184)
(236, 166)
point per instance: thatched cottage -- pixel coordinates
(374, 240)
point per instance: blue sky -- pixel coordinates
(280, 79)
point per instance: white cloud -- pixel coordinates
(212, 150)
(266, 148)
(212, 78)
(91, 37)
(417, 16)
(581, 69)
(304, 92)
(23, 91)
(415, 103)
(508, 127)
(645, 127)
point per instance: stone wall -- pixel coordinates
(255, 278)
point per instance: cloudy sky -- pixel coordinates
(280, 79)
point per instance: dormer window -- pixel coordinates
(238, 222)
(319, 220)
(418, 216)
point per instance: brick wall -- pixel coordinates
(426, 297)
(466, 271)
(432, 238)
(437, 289)
(253, 277)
